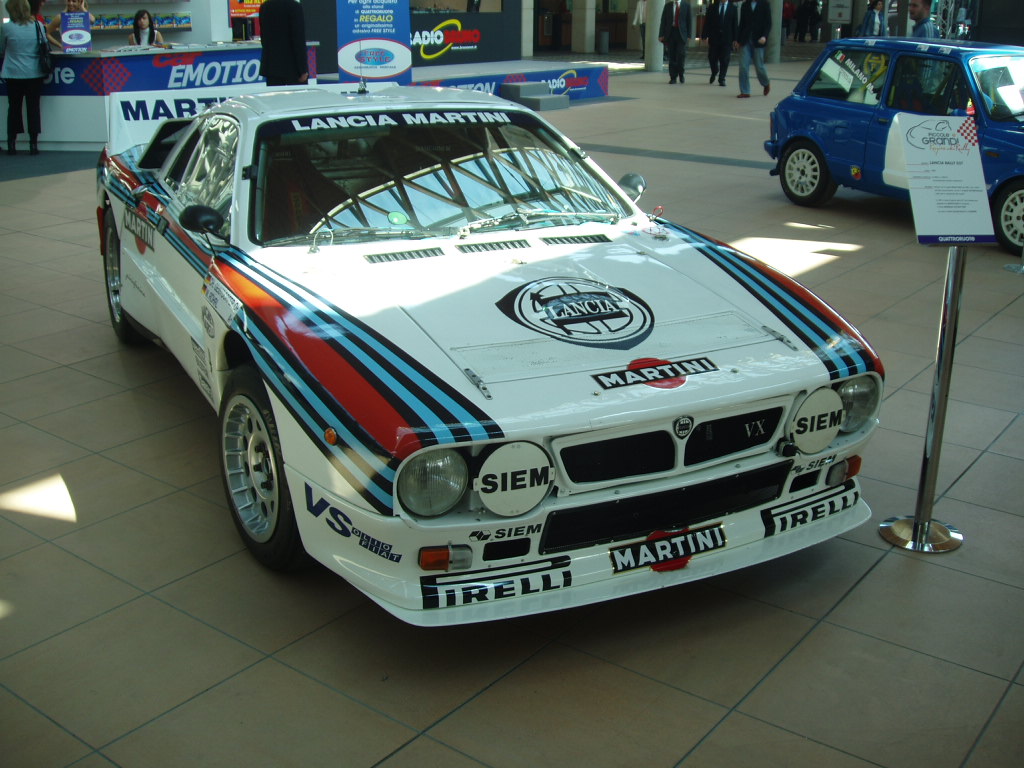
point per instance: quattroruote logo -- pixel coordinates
(581, 312)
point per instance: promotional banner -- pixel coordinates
(75, 32)
(373, 41)
(944, 174)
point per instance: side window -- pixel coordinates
(209, 177)
(854, 75)
(925, 85)
(177, 169)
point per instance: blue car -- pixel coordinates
(832, 130)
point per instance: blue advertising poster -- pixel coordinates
(373, 41)
(75, 32)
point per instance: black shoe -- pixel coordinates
(682, 79)
(711, 80)
(33, 149)
(721, 82)
(672, 81)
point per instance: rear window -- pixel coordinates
(854, 75)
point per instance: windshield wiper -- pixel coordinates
(525, 218)
(332, 236)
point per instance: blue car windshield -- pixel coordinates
(1001, 82)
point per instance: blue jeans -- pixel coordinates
(747, 53)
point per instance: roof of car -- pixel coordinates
(957, 47)
(286, 103)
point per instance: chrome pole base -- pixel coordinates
(1019, 269)
(935, 536)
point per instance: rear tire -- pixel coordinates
(1008, 216)
(124, 329)
(253, 472)
(805, 176)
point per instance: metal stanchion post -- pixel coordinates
(920, 533)
(1018, 268)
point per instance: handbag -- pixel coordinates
(45, 60)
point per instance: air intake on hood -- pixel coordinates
(576, 240)
(503, 245)
(379, 258)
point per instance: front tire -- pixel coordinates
(805, 176)
(124, 329)
(1008, 216)
(253, 472)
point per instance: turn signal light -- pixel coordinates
(453, 557)
(842, 471)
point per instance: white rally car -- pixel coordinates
(456, 364)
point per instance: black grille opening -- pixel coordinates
(666, 511)
(720, 437)
(629, 456)
(502, 550)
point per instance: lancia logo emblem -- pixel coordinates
(580, 311)
(682, 426)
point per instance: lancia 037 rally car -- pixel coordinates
(834, 129)
(456, 364)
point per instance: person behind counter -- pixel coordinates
(19, 42)
(144, 31)
(53, 28)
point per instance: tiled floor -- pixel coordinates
(135, 631)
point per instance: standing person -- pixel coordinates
(640, 21)
(23, 72)
(144, 31)
(788, 14)
(921, 14)
(283, 36)
(755, 24)
(720, 27)
(674, 32)
(874, 23)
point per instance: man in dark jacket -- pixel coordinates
(283, 36)
(674, 32)
(755, 24)
(720, 27)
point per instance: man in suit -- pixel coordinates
(674, 32)
(755, 24)
(720, 27)
(283, 37)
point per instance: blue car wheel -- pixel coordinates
(804, 175)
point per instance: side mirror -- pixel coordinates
(203, 220)
(633, 184)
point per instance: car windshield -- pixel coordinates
(1001, 82)
(422, 173)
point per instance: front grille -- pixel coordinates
(621, 457)
(720, 437)
(665, 511)
(501, 245)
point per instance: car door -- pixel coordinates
(204, 172)
(921, 85)
(850, 81)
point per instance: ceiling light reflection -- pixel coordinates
(48, 497)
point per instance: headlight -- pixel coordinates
(433, 482)
(860, 400)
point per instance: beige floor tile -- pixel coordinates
(564, 708)
(263, 608)
(991, 354)
(29, 739)
(95, 760)
(424, 752)
(705, 641)
(131, 366)
(25, 450)
(120, 670)
(1011, 442)
(16, 363)
(77, 494)
(743, 742)
(267, 716)
(159, 542)
(901, 367)
(993, 541)
(877, 701)
(809, 582)
(111, 421)
(994, 389)
(77, 344)
(1002, 743)
(383, 663)
(45, 590)
(886, 500)
(993, 481)
(52, 391)
(181, 455)
(14, 539)
(974, 426)
(960, 618)
(895, 457)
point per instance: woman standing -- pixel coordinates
(23, 72)
(144, 31)
(874, 23)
